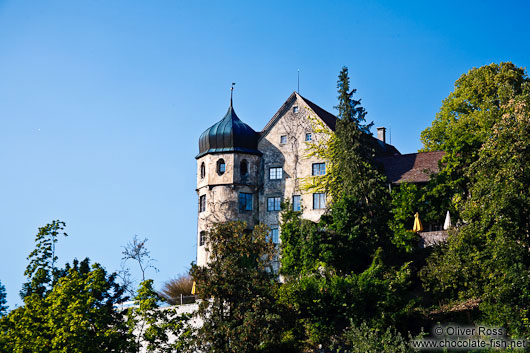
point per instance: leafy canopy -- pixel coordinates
(65, 310)
(488, 258)
(237, 288)
(465, 122)
(3, 300)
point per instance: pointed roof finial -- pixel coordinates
(232, 93)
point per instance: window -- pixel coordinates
(319, 201)
(274, 234)
(221, 167)
(243, 168)
(275, 173)
(203, 170)
(274, 203)
(202, 203)
(308, 136)
(297, 206)
(319, 168)
(245, 201)
(295, 109)
(202, 238)
(283, 139)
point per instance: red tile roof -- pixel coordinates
(412, 167)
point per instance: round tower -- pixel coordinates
(227, 176)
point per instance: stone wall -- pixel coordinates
(292, 156)
(222, 192)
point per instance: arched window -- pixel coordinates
(221, 166)
(203, 170)
(243, 168)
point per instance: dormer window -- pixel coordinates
(221, 167)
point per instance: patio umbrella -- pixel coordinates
(417, 223)
(447, 223)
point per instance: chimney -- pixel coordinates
(381, 134)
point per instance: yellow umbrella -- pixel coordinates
(193, 289)
(417, 223)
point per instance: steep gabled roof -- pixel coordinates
(381, 148)
(328, 118)
(411, 167)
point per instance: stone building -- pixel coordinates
(245, 175)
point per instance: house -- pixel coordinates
(245, 175)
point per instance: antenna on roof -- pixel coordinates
(298, 81)
(390, 132)
(232, 93)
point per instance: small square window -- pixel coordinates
(202, 203)
(297, 206)
(295, 109)
(245, 201)
(276, 173)
(319, 168)
(274, 203)
(319, 201)
(308, 136)
(283, 139)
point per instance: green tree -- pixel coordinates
(465, 121)
(41, 270)
(342, 268)
(364, 339)
(238, 288)
(65, 310)
(157, 329)
(76, 315)
(3, 300)
(350, 109)
(488, 259)
(349, 153)
(406, 201)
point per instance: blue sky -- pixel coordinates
(102, 102)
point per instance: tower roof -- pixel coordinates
(230, 134)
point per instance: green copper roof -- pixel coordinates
(229, 135)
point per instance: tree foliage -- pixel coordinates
(348, 152)
(465, 122)
(41, 270)
(76, 315)
(340, 269)
(488, 258)
(365, 339)
(157, 329)
(3, 300)
(65, 310)
(237, 288)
